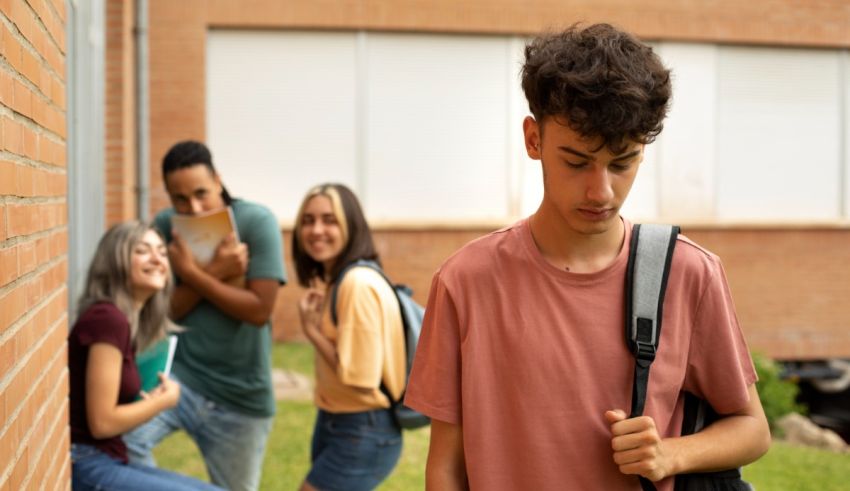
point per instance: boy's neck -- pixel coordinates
(571, 250)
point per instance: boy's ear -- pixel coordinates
(531, 130)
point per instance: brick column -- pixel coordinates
(34, 437)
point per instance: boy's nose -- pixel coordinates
(599, 187)
(195, 206)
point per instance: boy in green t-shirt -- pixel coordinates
(223, 357)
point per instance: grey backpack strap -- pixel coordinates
(650, 254)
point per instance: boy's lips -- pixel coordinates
(596, 213)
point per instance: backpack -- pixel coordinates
(650, 255)
(411, 319)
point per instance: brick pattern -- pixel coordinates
(408, 256)
(791, 301)
(34, 436)
(790, 287)
(120, 131)
(792, 22)
(177, 37)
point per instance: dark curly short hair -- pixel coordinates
(189, 153)
(600, 81)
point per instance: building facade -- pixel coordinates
(416, 106)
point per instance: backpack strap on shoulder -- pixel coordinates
(335, 290)
(650, 255)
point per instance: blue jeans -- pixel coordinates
(92, 469)
(354, 451)
(233, 444)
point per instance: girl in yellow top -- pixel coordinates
(356, 442)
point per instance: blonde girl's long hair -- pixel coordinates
(108, 280)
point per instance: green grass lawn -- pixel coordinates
(784, 468)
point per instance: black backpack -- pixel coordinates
(411, 317)
(650, 255)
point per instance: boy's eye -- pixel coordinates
(575, 165)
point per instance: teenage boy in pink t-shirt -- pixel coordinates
(522, 363)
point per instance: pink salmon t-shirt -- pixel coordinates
(528, 358)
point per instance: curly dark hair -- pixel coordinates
(189, 153)
(600, 81)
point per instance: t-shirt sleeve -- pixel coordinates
(359, 333)
(103, 323)
(265, 248)
(434, 388)
(720, 369)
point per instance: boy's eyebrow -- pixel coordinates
(575, 152)
(626, 156)
(191, 192)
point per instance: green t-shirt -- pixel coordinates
(224, 359)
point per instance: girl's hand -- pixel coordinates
(310, 310)
(166, 393)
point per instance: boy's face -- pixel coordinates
(582, 184)
(194, 190)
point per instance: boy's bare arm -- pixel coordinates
(446, 467)
(735, 440)
(252, 304)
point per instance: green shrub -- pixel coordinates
(778, 396)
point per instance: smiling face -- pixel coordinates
(584, 186)
(195, 189)
(149, 270)
(320, 232)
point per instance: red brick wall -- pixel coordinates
(120, 131)
(34, 437)
(409, 256)
(793, 22)
(790, 285)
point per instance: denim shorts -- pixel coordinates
(353, 451)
